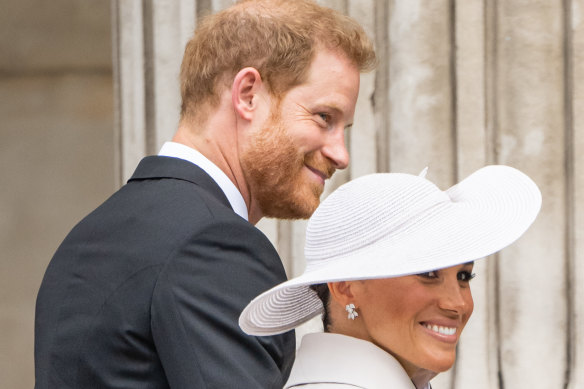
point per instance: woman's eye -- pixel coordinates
(430, 274)
(465, 276)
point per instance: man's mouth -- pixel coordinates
(319, 173)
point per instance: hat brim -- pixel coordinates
(491, 208)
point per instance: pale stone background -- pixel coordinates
(461, 83)
(56, 150)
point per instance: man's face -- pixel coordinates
(302, 143)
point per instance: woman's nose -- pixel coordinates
(456, 298)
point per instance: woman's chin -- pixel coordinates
(442, 365)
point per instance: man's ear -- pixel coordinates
(341, 292)
(244, 92)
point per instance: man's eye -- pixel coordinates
(325, 117)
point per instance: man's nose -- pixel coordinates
(335, 149)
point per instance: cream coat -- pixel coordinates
(330, 361)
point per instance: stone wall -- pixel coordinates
(461, 84)
(56, 150)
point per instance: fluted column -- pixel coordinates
(460, 84)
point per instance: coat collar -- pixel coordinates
(155, 167)
(334, 358)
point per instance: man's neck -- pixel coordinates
(219, 145)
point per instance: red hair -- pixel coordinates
(276, 37)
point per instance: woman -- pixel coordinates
(389, 261)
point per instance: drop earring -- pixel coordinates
(352, 311)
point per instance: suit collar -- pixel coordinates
(155, 167)
(182, 151)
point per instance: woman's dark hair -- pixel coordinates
(323, 293)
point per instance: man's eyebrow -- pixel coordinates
(348, 126)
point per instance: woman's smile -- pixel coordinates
(417, 318)
(446, 334)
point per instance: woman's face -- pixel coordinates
(417, 318)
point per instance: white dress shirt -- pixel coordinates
(178, 150)
(327, 361)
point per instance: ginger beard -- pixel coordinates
(275, 171)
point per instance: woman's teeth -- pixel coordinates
(440, 329)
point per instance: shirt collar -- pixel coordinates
(335, 358)
(178, 150)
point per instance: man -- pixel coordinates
(145, 292)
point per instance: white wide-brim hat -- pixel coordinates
(391, 224)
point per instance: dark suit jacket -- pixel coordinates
(145, 292)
